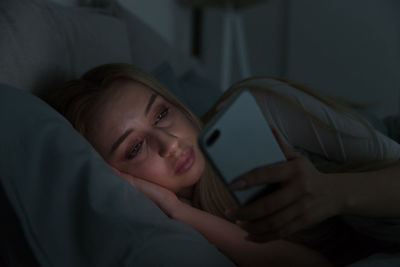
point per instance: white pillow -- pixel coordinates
(73, 210)
(43, 44)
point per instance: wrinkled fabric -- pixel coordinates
(301, 132)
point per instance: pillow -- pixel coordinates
(14, 250)
(72, 209)
(43, 44)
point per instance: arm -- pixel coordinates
(227, 237)
(307, 196)
(369, 193)
(373, 193)
(230, 239)
(299, 130)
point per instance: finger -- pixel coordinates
(115, 170)
(139, 184)
(299, 223)
(258, 176)
(276, 221)
(287, 151)
(118, 172)
(269, 204)
(147, 187)
(271, 174)
(294, 226)
(151, 190)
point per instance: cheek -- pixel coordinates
(186, 129)
(153, 170)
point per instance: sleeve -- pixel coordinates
(300, 131)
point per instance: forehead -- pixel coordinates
(125, 100)
(123, 107)
(130, 90)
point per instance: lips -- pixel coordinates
(185, 161)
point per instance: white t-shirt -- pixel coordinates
(301, 132)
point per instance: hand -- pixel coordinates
(305, 197)
(165, 199)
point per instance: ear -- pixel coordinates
(287, 151)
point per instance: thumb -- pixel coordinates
(287, 151)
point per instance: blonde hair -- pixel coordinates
(78, 100)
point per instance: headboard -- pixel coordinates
(44, 43)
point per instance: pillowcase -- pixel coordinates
(73, 209)
(14, 249)
(44, 44)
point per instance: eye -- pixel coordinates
(135, 150)
(162, 115)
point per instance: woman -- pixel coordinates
(150, 139)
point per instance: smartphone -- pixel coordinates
(237, 140)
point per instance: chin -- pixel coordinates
(200, 165)
(194, 175)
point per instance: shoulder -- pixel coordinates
(263, 88)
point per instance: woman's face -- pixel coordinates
(138, 132)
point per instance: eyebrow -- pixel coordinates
(121, 139)
(150, 103)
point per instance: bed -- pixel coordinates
(61, 204)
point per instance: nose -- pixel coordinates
(168, 144)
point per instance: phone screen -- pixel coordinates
(239, 139)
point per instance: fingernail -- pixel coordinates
(237, 185)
